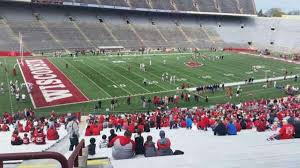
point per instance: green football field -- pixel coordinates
(106, 77)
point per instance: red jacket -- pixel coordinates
(52, 134)
(15, 138)
(123, 141)
(167, 145)
(5, 127)
(131, 128)
(96, 131)
(40, 139)
(88, 131)
(238, 126)
(26, 140)
(141, 128)
(183, 124)
(261, 126)
(287, 131)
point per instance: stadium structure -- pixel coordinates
(100, 64)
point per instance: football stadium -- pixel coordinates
(147, 83)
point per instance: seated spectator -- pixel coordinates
(147, 127)
(26, 139)
(140, 127)
(40, 138)
(112, 136)
(92, 147)
(220, 129)
(183, 123)
(139, 143)
(52, 134)
(103, 142)
(238, 126)
(189, 123)
(149, 147)
(5, 127)
(122, 146)
(261, 126)
(287, 131)
(15, 138)
(297, 128)
(96, 130)
(231, 129)
(164, 145)
(88, 131)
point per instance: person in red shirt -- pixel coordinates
(261, 126)
(96, 131)
(88, 131)
(26, 139)
(52, 134)
(131, 127)
(287, 131)
(40, 138)
(15, 139)
(164, 145)
(238, 126)
(141, 127)
(5, 127)
(183, 123)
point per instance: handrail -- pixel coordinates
(73, 159)
(34, 155)
(65, 163)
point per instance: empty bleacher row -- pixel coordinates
(71, 28)
(220, 6)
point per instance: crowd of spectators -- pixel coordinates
(27, 128)
(281, 114)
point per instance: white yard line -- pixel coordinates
(30, 95)
(124, 77)
(108, 79)
(9, 91)
(89, 79)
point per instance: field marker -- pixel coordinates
(89, 79)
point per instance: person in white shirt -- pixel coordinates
(23, 96)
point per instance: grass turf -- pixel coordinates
(105, 77)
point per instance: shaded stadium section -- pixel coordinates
(50, 87)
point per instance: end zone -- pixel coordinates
(51, 87)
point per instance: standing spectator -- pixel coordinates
(164, 145)
(73, 132)
(139, 142)
(189, 122)
(149, 147)
(158, 121)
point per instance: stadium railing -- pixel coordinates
(65, 163)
